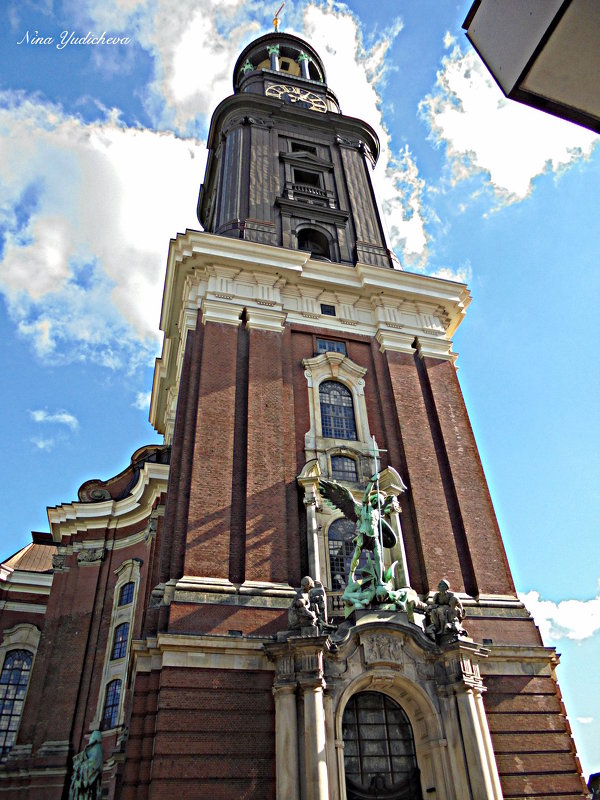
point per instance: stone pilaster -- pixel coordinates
(468, 732)
(299, 668)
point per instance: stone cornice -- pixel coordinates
(222, 276)
(200, 651)
(70, 518)
(23, 581)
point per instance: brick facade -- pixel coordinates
(215, 532)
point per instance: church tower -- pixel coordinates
(301, 368)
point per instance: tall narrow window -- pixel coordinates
(111, 705)
(379, 749)
(337, 411)
(13, 688)
(126, 595)
(120, 641)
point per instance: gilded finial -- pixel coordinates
(276, 19)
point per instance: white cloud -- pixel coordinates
(194, 53)
(585, 720)
(57, 417)
(355, 72)
(569, 619)
(462, 274)
(43, 444)
(484, 134)
(83, 262)
(142, 401)
(193, 50)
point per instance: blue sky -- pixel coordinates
(102, 151)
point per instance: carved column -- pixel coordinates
(317, 784)
(487, 742)
(286, 742)
(308, 479)
(481, 778)
(469, 726)
(398, 551)
(299, 662)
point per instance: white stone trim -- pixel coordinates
(395, 341)
(32, 608)
(266, 319)
(332, 366)
(208, 651)
(70, 518)
(435, 348)
(223, 276)
(26, 582)
(127, 572)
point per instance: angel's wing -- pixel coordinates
(339, 497)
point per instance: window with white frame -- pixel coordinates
(14, 680)
(337, 411)
(111, 705)
(17, 654)
(109, 712)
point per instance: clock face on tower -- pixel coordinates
(294, 94)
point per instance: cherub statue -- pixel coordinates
(86, 781)
(300, 613)
(445, 613)
(309, 608)
(318, 603)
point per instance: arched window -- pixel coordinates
(379, 750)
(337, 411)
(111, 705)
(120, 641)
(340, 538)
(314, 242)
(126, 595)
(13, 688)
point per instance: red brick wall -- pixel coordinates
(140, 744)
(532, 740)
(178, 494)
(208, 524)
(266, 523)
(221, 618)
(435, 529)
(215, 736)
(481, 536)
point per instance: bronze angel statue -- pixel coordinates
(368, 584)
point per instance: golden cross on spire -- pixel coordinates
(276, 19)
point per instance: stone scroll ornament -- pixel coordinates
(369, 585)
(86, 781)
